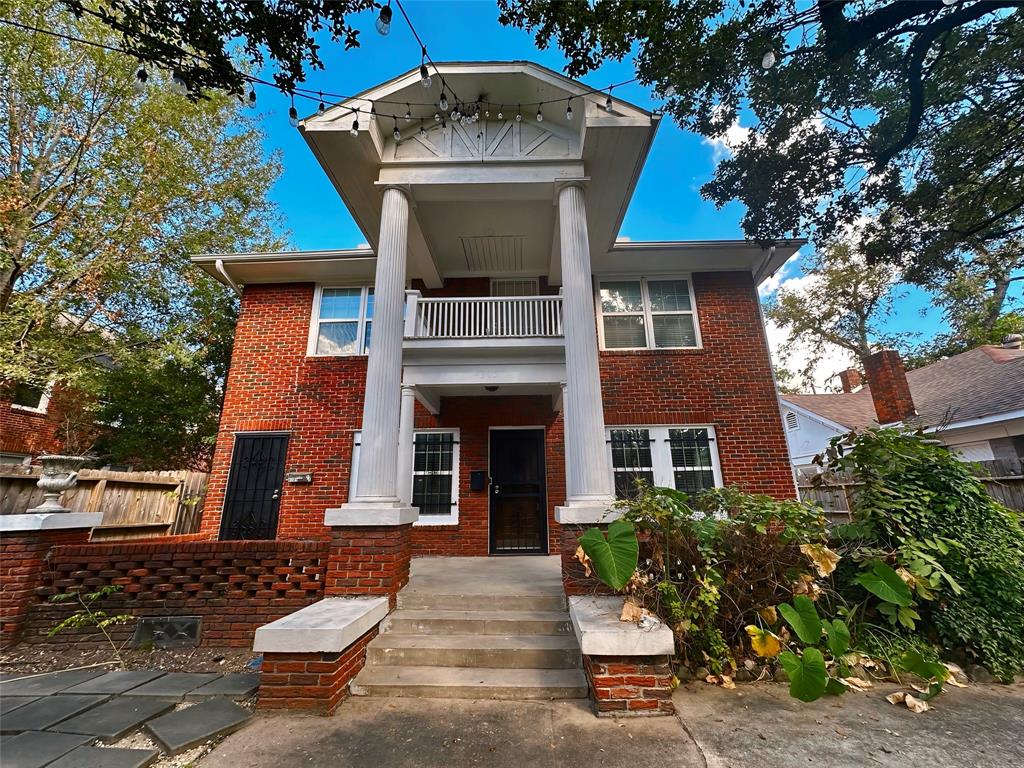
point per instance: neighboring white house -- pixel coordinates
(973, 402)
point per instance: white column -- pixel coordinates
(406, 447)
(377, 499)
(588, 473)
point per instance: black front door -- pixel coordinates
(518, 499)
(254, 487)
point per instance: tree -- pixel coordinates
(106, 193)
(841, 301)
(909, 109)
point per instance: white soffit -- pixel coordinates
(696, 256)
(340, 266)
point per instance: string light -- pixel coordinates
(540, 116)
(519, 114)
(768, 60)
(178, 84)
(252, 96)
(354, 130)
(293, 114)
(423, 131)
(608, 107)
(397, 133)
(568, 110)
(425, 79)
(408, 113)
(443, 103)
(320, 109)
(140, 80)
(384, 19)
(500, 116)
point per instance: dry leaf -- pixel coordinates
(631, 611)
(915, 705)
(907, 576)
(769, 614)
(764, 642)
(806, 585)
(896, 698)
(951, 680)
(824, 559)
(584, 560)
(723, 680)
(857, 683)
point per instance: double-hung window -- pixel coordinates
(342, 321)
(435, 475)
(681, 457)
(647, 313)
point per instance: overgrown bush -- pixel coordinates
(714, 564)
(959, 552)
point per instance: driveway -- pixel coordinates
(755, 726)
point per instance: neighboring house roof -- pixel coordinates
(977, 384)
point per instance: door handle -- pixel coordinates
(497, 490)
(276, 495)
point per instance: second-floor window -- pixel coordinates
(647, 313)
(342, 321)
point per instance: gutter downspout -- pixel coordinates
(219, 264)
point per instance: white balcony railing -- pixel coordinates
(482, 317)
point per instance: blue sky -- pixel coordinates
(667, 204)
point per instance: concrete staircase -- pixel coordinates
(477, 628)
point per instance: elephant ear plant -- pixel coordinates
(614, 557)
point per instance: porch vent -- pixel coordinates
(491, 254)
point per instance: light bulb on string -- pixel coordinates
(456, 113)
(568, 111)
(608, 107)
(178, 84)
(519, 114)
(768, 60)
(354, 130)
(408, 114)
(500, 115)
(437, 117)
(384, 19)
(443, 102)
(321, 108)
(425, 79)
(397, 133)
(540, 116)
(293, 115)
(139, 86)
(423, 131)
(252, 96)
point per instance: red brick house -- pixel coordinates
(496, 364)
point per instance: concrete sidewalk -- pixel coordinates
(754, 726)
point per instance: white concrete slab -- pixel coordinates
(50, 521)
(356, 517)
(595, 620)
(585, 515)
(330, 625)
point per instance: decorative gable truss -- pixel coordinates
(485, 140)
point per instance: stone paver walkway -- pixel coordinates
(55, 719)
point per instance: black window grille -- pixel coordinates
(692, 468)
(432, 473)
(631, 460)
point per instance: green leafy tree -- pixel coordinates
(911, 109)
(842, 302)
(105, 195)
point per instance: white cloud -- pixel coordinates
(723, 145)
(772, 284)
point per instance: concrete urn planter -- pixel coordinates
(59, 474)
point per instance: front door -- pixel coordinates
(517, 495)
(254, 487)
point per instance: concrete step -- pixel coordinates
(445, 622)
(460, 683)
(417, 600)
(477, 651)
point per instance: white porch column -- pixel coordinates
(588, 473)
(406, 424)
(377, 499)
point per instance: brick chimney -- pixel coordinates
(850, 379)
(890, 391)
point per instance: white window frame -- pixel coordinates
(44, 402)
(646, 312)
(314, 321)
(428, 520)
(535, 281)
(661, 453)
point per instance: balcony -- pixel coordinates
(483, 322)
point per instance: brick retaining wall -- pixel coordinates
(371, 560)
(630, 685)
(235, 586)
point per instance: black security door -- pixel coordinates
(254, 487)
(517, 496)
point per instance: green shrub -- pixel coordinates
(921, 511)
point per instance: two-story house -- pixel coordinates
(496, 362)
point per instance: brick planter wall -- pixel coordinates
(574, 577)
(22, 563)
(235, 586)
(372, 560)
(630, 685)
(313, 682)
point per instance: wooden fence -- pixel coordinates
(1002, 478)
(134, 504)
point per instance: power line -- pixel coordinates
(319, 96)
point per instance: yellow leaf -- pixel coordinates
(824, 559)
(907, 576)
(584, 560)
(769, 614)
(764, 642)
